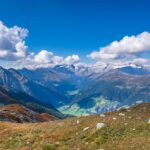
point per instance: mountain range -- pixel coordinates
(76, 90)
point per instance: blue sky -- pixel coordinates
(76, 26)
(81, 27)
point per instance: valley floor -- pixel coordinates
(127, 129)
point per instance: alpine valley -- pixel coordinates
(75, 90)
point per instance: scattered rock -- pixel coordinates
(28, 143)
(149, 121)
(100, 125)
(102, 115)
(121, 114)
(86, 128)
(78, 121)
(133, 129)
(114, 118)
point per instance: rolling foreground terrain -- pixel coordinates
(124, 129)
(38, 108)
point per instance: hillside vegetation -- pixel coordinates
(126, 129)
(9, 97)
(20, 114)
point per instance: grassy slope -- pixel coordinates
(20, 114)
(129, 132)
(9, 97)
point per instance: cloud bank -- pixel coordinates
(128, 50)
(15, 53)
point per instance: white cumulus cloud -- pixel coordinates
(71, 59)
(14, 52)
(45, 57)
(12, 44)
(129, 46)
(127, 50)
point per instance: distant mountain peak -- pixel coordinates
(135, 70)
